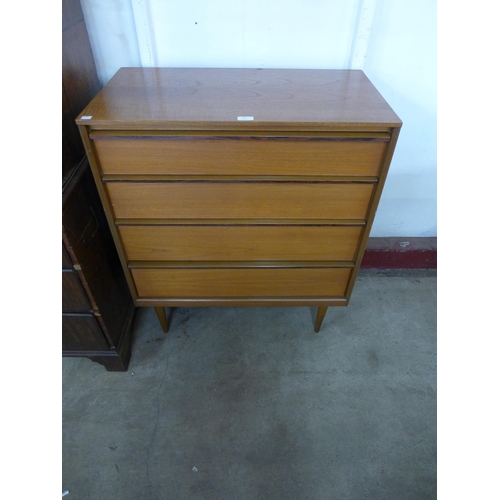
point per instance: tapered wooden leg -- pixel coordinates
(319, 317)
(162, 318)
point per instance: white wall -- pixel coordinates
(393, 41)
(401, 62)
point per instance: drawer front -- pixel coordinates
(219, 283)
(247, 200)
(66, 259)
(81, 332)
(74, 298)
(240, 243)
(241, 156)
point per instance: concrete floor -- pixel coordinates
(250, 403)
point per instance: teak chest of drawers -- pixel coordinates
(239, 186)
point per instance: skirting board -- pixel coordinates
(400, 253)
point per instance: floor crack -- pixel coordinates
(157, 420)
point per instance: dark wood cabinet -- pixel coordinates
(97, 308)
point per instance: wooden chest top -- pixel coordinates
(239, 99)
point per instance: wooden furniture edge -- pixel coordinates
(241, 302)
(372, 209)
(97, 173)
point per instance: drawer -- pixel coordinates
(66, 259)
(74, 298)
(241, 155)
(240, 243)
(81, 332)
(247, 200)
(219, 283)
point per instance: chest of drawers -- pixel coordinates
(239, 187)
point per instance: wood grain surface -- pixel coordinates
(240, 243)
(214, 283)
(215, 98)
(240, 186)
(249, 200)
(241, 156)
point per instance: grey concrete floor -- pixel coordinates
(250, 403)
